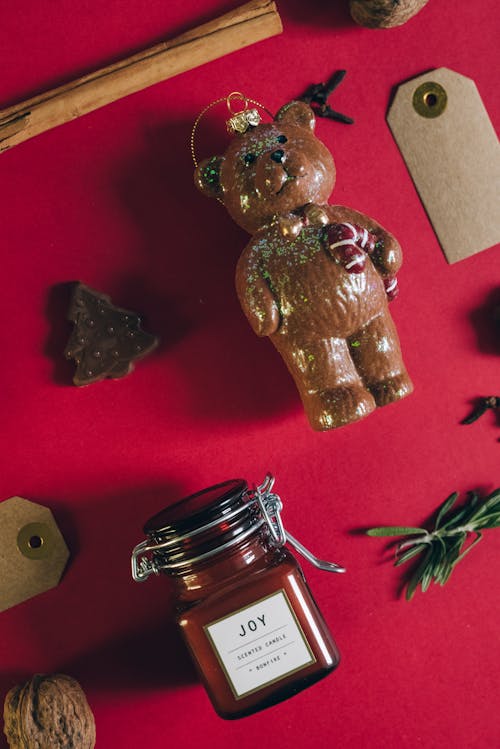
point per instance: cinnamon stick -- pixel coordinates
(250, 23)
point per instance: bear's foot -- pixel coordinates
(329, 409)
(392, 389)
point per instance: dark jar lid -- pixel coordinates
(197, 509)
(197, 527)
(212, 521)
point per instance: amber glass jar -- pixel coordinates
(244, 608)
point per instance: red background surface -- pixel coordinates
(108, 199)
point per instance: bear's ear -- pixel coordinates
(297, 113)
(207, 177)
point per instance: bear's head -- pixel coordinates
(271, 169)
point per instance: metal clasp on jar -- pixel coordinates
(143, 565)
(271, 506)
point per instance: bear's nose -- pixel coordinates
(278, 156)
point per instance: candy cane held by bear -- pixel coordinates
(313, 277)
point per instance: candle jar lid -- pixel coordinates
(195, 528)
(196, 509)
(211, 521)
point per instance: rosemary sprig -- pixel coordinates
(441, 549)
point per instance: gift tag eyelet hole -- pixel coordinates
(35, 542)
(429, 99)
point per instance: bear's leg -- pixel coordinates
(330, 387)
(376, 353)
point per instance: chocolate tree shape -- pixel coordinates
(106, 339)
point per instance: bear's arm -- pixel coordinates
(389, 258)
(256, 298)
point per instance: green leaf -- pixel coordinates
(489, 503)
(473, 499)
(395, 530)
(410, 553)
(432, 567)
(455, 520)
(454, 544)
(416, 577)
(490, 521)
(447, 505)
(444, 572)
(463, 554)
(426, 577)
(441, 543)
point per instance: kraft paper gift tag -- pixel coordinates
(451, 150)
(33, 553)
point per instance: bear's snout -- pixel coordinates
(270, 176)
(276, 168)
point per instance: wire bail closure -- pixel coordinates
(270, 505)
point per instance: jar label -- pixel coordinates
(260, 644)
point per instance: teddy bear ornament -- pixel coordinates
(315, 278)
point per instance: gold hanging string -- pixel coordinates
(229, 99)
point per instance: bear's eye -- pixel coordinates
(249, 158)
(282, 139)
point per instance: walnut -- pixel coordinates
(382, 14)
(49, 712)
